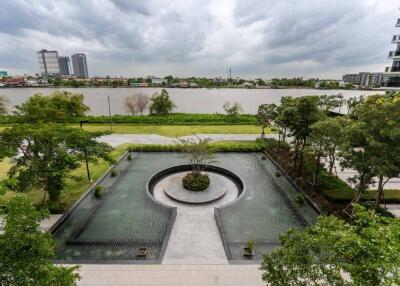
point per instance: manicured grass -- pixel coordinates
(170, 130)
(174, 130)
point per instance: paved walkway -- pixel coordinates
(44, 224)
(170, 275)
(118, 139)
(195, 237)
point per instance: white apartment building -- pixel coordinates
(48, 63)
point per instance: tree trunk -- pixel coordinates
(263, 133)
(300, 170)
(379, 194)
(318, 167)
(332, 160)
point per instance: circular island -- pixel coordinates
(174, 188)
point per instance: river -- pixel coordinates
(198, 100)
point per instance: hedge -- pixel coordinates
(231, 146)
(339, 191)
(170, 119)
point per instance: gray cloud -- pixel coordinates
(202, 37)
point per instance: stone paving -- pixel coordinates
(118, 139)
(195, 237)
(170, 275)
(44, 224)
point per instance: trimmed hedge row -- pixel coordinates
(250, 146)
(170, 119)
(337, 190)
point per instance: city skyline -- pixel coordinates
(257, 39)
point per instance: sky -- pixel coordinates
(256, 38)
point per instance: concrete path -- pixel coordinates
(170, 275)
(44, 224)
(195, 237)
(118, 139)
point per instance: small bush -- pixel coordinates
(113, 173)
(196, 183)
(272, 144)
(263, 158)
(129, 157)
(98, 192)
(250, 245)
(278, 174)
(300, 199)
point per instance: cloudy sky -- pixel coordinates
(257, 38)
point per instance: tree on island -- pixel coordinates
(45, 154)
(161, 104)
(57, 107)
(25, 251)
(365, 250)
(265, 116)
(199, 154)
(4, 102)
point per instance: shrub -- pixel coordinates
(196, 183)
(250, 245)
(263, 158)
(98, 192)
(129, 157)
(272, 144)
(278, 174)
(113, 173)
(300, 199)
(222, 146)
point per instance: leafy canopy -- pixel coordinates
(161, 104)
(366, 251)
(44, 154)
(59, 106)
(25, 251)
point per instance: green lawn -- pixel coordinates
(74, 189)
(172, 130)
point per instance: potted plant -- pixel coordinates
(142, 252)
(98, 192)
(249, 249)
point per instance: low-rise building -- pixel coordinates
(3, 74)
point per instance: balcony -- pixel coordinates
(398, 23)
(392, 69)
(396, 39)
(394, 55)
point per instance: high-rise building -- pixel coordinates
(391, 77)
(79, 65)
(48, 63)
(65, 65)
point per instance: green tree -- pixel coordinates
(25, 251)
(4, 102)
(366, 250)
(356, 154)
(299, 114)
(265, 116)
(43, 156)
(325, 137)
(379, 117)
(161, 104)
(56, 107)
